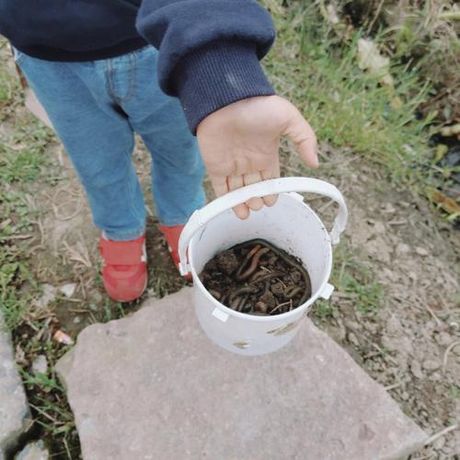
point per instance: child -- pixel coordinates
(106, 69)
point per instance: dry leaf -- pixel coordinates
(448, 204)
(450, 130)
(370, 59)
(61, 337)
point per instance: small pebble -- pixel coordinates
(430, 365)
(439, 443)
(443, 339)
(350, 324)
(404, 395)
(421, 251)
(40, 365)
(68, 289)
(416, 369)
(261, 307)
(402, 248)
(48, 295)
(353, 339)
(379, 228)
(388, 208)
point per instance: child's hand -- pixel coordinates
(239, 144)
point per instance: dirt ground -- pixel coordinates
(409, 341)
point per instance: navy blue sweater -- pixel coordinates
(209, 50)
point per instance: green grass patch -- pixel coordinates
(22, 155)
(23, 162)
(7, 87)
(346, 106)
(358, 282)
(355, 282)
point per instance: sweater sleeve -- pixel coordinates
(209, 51)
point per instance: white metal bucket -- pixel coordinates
(291, 225)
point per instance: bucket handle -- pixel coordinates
(269, 187)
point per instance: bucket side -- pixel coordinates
(290, 225)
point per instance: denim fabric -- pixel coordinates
(96, 107)
(209, 49)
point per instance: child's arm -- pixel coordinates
(209, 53)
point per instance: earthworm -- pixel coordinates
(253, 266)
(269, 276)
(266, 287)
(292, 292)
(215, 294)
(237, 303)
(258, 274)
(247, 259)
(239, 292)
(243, 303)
(281, 305)
(279, 253)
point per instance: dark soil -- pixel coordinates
(257, 278)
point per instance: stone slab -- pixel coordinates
(152, 386)
(34, 451)
(14, 410)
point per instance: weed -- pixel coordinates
(323, 310)
(355, 279)
(356, 285)
(454, 392)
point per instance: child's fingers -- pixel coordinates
(254, 203)
(272, 173)
(234, 182)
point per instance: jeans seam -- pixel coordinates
(110, 85)
(132, 208)
(109, 81)
(131, 77)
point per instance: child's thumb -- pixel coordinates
(303, 137)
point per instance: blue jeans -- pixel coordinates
(96, 107)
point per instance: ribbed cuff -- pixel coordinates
(218, 75)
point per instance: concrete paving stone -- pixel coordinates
(14, 410)
(152, 386)
(34, 451)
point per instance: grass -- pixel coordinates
(346, 106)
(23, 163)
(7, 87)
(355, 282)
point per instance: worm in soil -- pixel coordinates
(253, 266)
(260, 242)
